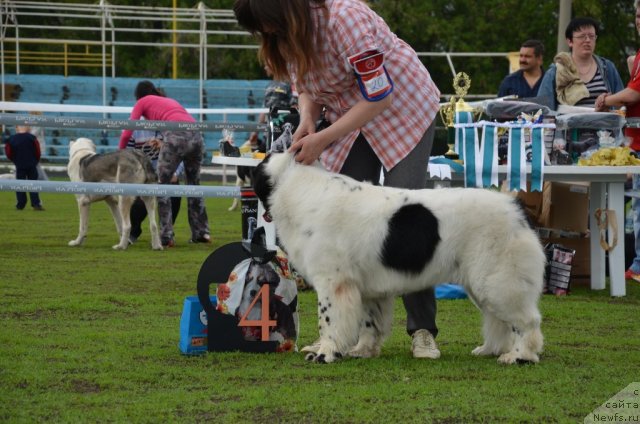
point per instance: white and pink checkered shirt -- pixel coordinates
(349, 28)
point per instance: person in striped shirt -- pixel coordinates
(370, 86)
(597, 74)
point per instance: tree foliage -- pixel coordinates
(461, 26)
(501, 26)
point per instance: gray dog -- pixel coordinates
(123, 166)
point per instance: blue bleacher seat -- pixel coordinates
(120, 92)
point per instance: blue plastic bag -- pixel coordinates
(450, 291)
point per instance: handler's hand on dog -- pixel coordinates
(305, 128)
(155, 144)
(308, 148)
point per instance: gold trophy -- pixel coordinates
(461, 85)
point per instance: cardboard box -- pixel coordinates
(565, 206)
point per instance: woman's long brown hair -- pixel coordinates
(286, 33)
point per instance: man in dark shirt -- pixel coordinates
(525, 81)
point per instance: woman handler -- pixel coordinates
(177, 146)
(379, 98)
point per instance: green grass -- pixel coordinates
(90, 335)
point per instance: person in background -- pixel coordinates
(149, 143)
(177, 146)
(38, 132)
(525, 81)
(23, 150)
(381, 119)
(578, 78)
(630, 98)
(278, 94)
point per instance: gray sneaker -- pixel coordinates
(424, 345)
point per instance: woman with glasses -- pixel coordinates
(578, 78)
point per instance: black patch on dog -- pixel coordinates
(411, 240)
(262, 184)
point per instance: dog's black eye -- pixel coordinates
(252, 293)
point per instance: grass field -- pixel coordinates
(90, 335)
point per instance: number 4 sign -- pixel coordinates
(264, 322)
(226, 331)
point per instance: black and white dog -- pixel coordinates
(361, 245)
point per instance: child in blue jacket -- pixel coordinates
(23, 149)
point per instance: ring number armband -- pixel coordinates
(373, 79)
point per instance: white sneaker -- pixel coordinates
(424, 345)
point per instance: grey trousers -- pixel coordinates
(362, 164)
(187, 147)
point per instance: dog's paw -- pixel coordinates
(120, 247)
(326, 357)
(481, 351)
(364, 352)
(158, 247)
(312, 348)
(518, 358)
(76, 242)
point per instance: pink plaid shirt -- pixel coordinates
(349, 28)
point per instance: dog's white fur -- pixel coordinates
(334, 227)
(120, 206)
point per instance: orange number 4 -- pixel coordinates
(264, 322)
